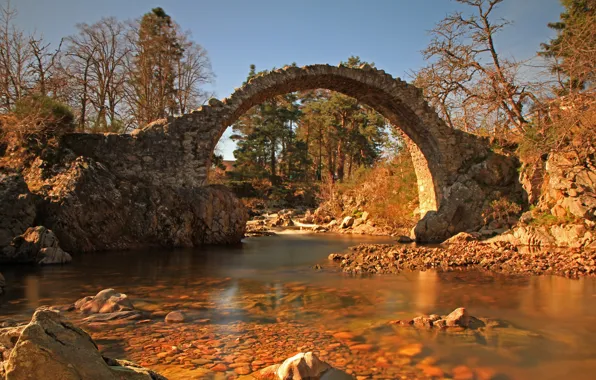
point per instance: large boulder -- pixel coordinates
(91, 209)
(51, 347)
(17, 209)
(347, 222)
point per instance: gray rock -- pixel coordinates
(302, 366)
(462, 238)
(53, 255)
(17, 209)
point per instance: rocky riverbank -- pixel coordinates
(267, 223)
(497, 257)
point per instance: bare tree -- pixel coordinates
(193, 70)
(468, 76)
(43, 65)
(15, 59)
(95, 61)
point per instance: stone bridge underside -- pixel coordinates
(457, 172)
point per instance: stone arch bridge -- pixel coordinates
(457, 172)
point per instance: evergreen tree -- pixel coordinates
(574, 46)
(154, 74)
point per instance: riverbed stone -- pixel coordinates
(175, 317)
(458, 317)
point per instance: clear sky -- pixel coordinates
(272, 33)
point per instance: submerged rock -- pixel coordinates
(458, 317)
(175, 317)
(50, 346)
(106, 301)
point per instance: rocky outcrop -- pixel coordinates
(562, 189)
(494, 177)
(50, 344)
(89, 208)
(92, 209)
(37, 245)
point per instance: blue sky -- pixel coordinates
(268, 33)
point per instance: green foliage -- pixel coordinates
(544, 219)
(307, 135)
(46, 109)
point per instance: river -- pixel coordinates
(268, 283)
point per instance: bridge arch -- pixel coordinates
(425, 134)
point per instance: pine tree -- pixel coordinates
(158, 51)
(574, 47)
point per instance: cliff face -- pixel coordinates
(90, 207)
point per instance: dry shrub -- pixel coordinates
(569, 125)
(388, 192)
(34, 125)
(500, 210)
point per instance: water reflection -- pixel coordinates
(552, 319)
(427, 283)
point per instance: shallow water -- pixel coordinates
(550, 322)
